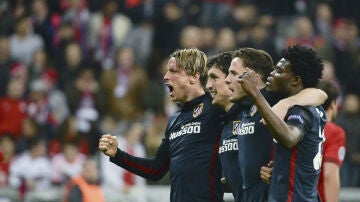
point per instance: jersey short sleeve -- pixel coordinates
(299, 117)
(334, 146)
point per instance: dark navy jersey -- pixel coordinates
(189, 150)
(228, 151)
(296, 170)
(255, 143)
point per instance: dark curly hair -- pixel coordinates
(221, 61)
(306, 63)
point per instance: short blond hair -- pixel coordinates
(192, 61)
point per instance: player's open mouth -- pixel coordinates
(171, 89)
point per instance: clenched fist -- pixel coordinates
(108, 144)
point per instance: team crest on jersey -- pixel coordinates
(236, 127)
(253, 110)
(198, 110)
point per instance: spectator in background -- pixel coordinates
(78, 15)
(107, 31)
(6, 62)
(124, 86)
(71, 66)
(40, 63)
(140, 39)
(43, 23)
(168, 24)
(214, 12)
(208, 40)
(260, 38)
(30, 131)
(225, 40)
(39, 108)
(69, 132)
(67, 164)
(23, 43)
(13, 108)
(120, 184)
(65, 35)
(56, 98)
(323, 20)
(31, 171)
(345, 56)
(85, 187)
(7, 147)
(87, 104)
(6, 19)
(349, 119)
(191, 36)
(304, 34)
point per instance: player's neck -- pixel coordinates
(329, 115)
(228, 106)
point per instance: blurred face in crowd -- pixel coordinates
(236, 69)
(71, 151)
(126, 58)
(40, 58)
(16, 88)
(90, 170)
(73, 54)
(4, 48)
(22, 27)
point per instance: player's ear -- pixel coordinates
(195, 78)
(296, 81)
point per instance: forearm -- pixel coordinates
(308, 96)
(154, 168)
(278, 128)
(331, 182)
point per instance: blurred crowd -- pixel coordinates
(71, 70)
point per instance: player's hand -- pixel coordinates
(249, 82)
(108, 145)
(266, 172)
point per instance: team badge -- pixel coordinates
(198, 110)
(236, 127)
(253, 110)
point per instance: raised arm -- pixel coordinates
(150, 168)
(285, 134)
(307, 96)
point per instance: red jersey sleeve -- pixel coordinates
(334, 145)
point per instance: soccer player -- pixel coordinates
(299, 137)
(190, 146)
(254, 139)
(217, 69)
(333, 148)
(253, 150)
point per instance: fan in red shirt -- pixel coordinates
(333, 147)
(13, 109)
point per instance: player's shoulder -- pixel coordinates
(334, 132)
